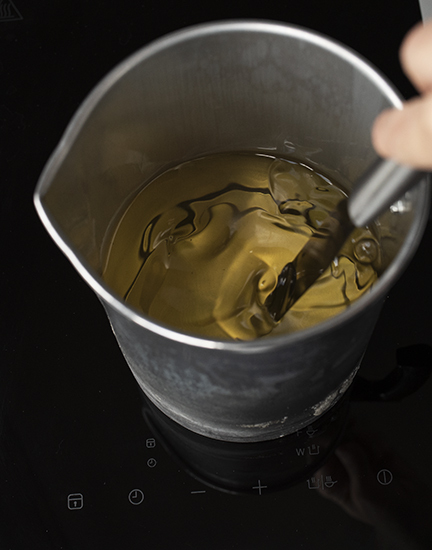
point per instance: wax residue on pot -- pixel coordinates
(201, 246)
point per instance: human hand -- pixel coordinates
(406, 135)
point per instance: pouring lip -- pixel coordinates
(379, 289)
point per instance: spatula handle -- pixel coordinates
(378, 188)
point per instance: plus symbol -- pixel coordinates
(259, 487)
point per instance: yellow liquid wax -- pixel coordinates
(200, 248)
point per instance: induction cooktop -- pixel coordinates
(86, 461)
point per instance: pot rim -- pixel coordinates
(379, 289)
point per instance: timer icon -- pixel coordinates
(151, 462)
(136, 496)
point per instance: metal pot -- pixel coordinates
(217, 87)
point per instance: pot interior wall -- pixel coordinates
(280, 94)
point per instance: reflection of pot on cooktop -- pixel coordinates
(280, 463)
(238, 467)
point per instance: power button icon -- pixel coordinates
(384, 477)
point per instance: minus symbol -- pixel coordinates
(197, 492)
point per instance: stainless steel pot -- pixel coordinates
(217, 87)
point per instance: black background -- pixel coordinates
(70, 411)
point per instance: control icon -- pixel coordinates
(311, 431)
(314, 449)
(321, 482)
(136, 496)
(314, 483)
(151, 443)
(385, 477)
(260, 487)
(151, 462)
(75, 501)
(329, 482)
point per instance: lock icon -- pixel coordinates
(75, 501)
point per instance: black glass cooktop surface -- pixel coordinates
(85, 460)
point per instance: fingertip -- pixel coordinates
(412, 35)
(409, 41)
(382, 131)
(414, 54)
(406, 135)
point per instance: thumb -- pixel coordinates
(406, 135)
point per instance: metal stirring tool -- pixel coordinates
(375, 191)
